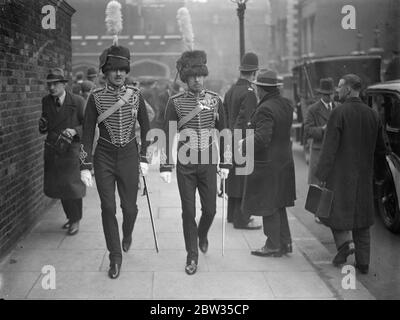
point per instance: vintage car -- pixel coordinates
(385, 99)
(308, 72)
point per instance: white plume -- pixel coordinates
(114, 19)
(185, 26)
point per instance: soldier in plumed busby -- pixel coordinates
(197, 114)
(115, 108)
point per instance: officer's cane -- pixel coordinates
(151, 213)
(148, 202)
(223, 215)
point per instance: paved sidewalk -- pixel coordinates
(81, 261)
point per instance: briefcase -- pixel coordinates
(319, 201)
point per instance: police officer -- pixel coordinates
(115, 108)
(239, 103)
(196, 112)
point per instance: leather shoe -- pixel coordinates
(344, 251)
(73, 228)
(286, 248)
(203, 244)
(114, 270)
(66, 225)
(252, 225)
(266, 252)
(191, 268)
(126, 243)
(363, 268)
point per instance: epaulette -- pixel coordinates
(97, 90)
(212, 93)
(129, 86)
(177, 95)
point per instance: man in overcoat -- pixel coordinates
(61, 120)
(346, 166)
(240, 101)
(270, 188)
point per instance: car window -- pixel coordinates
(388, 107)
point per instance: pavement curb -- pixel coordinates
(320, 258)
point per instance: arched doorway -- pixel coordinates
(150, 68)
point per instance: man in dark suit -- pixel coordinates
(239, 103)
(270, 188)
(346, 166)
(61, 120)
(315, 124)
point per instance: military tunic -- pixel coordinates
(116, 158)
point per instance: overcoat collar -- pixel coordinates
(64, 113)
(353, 99)
(242, 82)
(272, 94)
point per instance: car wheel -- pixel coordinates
(388, 204)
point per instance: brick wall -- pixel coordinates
(26, 53)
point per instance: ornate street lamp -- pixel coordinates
(240, 12)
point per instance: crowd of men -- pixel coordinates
(347, 139)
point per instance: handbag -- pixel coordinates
(62, 143)
(319, 201)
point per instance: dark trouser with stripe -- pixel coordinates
(117, 166)
(72, 209)
(204, 178)
(276, 228)
(361, 238)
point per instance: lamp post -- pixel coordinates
(240, 12)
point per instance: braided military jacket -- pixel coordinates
(119, 128)
(197, 135)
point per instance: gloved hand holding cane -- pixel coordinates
(86, 178)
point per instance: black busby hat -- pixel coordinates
(192, 63)
(249, 62)
(115, 58)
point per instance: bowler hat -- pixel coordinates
(326, 86)
(56, 75)
(267, 78)
(115, 58)
(91, 72)
(249, 62)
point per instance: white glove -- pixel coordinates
(224, 173)
(166, 176)
(86, 178)
(144, 168)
